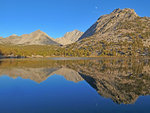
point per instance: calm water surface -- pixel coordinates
(75, 86)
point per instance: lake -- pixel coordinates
(75, 85)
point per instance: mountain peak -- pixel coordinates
(73, 32)
(125, 12)
(38, 31)
(128, 10)
(117, 10)
(76, 30)
(70, 37)
(14, 35)
(35, 38)
(109, 22)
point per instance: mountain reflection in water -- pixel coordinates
(122, 80)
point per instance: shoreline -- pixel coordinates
(74, 58)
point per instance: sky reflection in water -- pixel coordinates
(60, 94)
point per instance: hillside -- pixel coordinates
(40, 38)
(121, 32)
(69, 37)
(35, 38)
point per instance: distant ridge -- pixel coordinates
(69, 37)
(40, 38)
(35, 38)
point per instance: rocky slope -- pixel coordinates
(120, 32)
(35, 38)
(1, 40)
(40, 38)
(106, 25)
(69, 37)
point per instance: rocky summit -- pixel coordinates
(40, 38)
(107, 25)
(35, 38)
(121, 32)
(69, 37)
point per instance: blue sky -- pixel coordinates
(56, 17)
